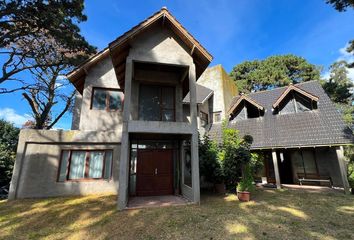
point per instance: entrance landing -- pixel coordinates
(156, 201)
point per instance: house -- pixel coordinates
(298, 129)
(131, 132)
(138, 113)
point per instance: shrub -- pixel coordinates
(8, 145)
(246, 183)
(209, 162)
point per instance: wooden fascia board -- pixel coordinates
(299, 90)
(246, 99)
(88, 63)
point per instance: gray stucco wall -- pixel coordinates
(37, 161)
(101, 75)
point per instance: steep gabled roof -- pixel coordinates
(119, 48)
(296, 89)
(203, 94)
(321, 127)
(238, 100)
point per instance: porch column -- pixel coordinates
(342, 168)
(194, 137)
(124, 149)
(276, 169)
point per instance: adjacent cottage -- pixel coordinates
(139, 111)
(298, 129)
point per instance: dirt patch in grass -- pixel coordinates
(272, 214)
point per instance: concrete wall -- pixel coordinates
(75, 124)
(223, 86)
(101, 75)
(38, 157)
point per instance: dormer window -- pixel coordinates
(246, 108)
(295, 100)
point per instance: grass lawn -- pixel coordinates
(272, 215)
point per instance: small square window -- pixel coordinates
(217, 117)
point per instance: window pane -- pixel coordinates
(63, 166)
(187, 167)
(168, 95)
(96, 164)
(115, 100)
(149, 105)
(77, 165)
(289, 107)
(168, 115)
(302, 103)
(133, 161)
(99, 99)
(108, 165)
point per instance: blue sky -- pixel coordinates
(232, 31)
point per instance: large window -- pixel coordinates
(107, 99)
(156, 103)
(85, 164)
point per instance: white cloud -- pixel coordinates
(10, 115)
(344, 55)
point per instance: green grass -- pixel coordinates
(271, 215)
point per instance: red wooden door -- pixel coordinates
(154, 172)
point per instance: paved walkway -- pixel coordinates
(156, 201)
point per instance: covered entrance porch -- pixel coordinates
(160, 170)
(311, 166)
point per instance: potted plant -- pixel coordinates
(245, 186)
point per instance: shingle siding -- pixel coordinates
(322, 126)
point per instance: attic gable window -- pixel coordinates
(246, 108)
(295, 100)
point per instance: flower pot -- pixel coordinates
(220, 188)
(244, 196)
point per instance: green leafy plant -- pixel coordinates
(246, 183)
(210, 164)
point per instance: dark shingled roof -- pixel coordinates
(202, 94)
(321, 127)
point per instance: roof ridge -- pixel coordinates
(268, 90)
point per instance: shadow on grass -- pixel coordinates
(270, 215)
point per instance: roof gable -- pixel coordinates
(296, 89)
(321, 127)
(119, 49)
(238, 100)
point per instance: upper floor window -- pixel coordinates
(217, 116)
(204, 119)
(156, 103)
(85, 164)
(107, 99)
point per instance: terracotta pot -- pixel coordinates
(244, 196)
(220, 188)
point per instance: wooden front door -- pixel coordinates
(154, 172)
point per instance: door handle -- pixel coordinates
(155, 171)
